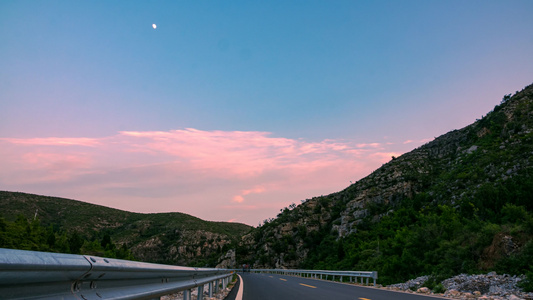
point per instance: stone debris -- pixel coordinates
(411, 284)
(221, 295)
(489, 286)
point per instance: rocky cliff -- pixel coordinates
(476, 163)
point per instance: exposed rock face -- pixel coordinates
(148, 250)
(228, 261)
(184, 247)
(503, 245)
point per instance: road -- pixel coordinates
(280, 287)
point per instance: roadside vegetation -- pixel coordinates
(24, 234)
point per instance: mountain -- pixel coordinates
(462, 203)
(173, 238)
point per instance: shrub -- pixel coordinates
(439, 288)
(527, 284)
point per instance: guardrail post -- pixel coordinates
(210, 289)
(187, 295)
(216, 286)
(340, 278)
(200, 292)
(367, 281)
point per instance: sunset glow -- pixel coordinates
(215, 170)
(233, 110)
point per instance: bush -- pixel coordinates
(439, 289)
(527, 284)
(434, 283)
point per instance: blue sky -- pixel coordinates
(392, 74)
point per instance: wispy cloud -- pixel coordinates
(53, 141)
(240, 198)
(216, 175)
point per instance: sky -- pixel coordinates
(233, 110)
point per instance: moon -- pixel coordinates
(154, 26)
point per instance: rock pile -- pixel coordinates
(491, 286)
(485, 286)
(412, 284)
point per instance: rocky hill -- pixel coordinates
(461, 203)
(173, 238)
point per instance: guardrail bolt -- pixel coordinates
(93, 284)
(76, 286)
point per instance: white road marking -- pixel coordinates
(241, 286)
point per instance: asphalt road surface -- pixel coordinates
(280, 287)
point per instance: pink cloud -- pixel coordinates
(255, 190)
(209, 174)
(238, 199)
(53, 141)
(368, 145)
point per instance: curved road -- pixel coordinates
(280, 287)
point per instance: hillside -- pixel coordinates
(462, 203)
(174, 238)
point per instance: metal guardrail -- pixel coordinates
(324, 274)
(43, 275)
